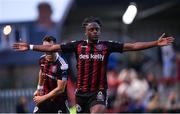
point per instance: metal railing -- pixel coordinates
(10, 98)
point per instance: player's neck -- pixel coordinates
(92, 41)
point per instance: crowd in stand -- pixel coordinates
(130, 92)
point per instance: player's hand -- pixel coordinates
(37, 93)
(163, 41)
(20, 46)
(38, 99)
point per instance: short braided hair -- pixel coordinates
(90, 20)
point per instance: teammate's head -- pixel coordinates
(92, 27)
(49, 40)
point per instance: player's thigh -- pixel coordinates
(59, 107)
(98, 108)
(43, 107)
(98, 101)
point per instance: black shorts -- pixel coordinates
(84, 101)
(52, 107)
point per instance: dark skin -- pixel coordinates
(92, 32)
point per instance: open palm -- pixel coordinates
(20, 46)
(165, 41)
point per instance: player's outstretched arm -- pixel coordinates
(162, 41)
(23, 46)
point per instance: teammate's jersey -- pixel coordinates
(92, 61)
(53, 71)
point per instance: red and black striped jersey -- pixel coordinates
(53, 71)
(92, 61)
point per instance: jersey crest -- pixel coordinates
(99, 47)
(54, 69)
(100, 96)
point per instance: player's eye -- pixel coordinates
(97, 29)
(91, 30)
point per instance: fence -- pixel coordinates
(9, 99)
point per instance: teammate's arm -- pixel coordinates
(145, 45)
(23, 46)
(40, 84)
(61, 84)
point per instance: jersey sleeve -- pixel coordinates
(69, 47)
(63, 75)
(115, 46)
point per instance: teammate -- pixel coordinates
(92, 57)
(50, 95)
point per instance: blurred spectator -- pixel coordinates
(44, 24)
(21, 106)
(112, 79)
(178, 66)
(131, 92)
(154, 103)
(168, 59)
(122, 99)
(153, 87)
(137, 91)
(152, 82)
(125, 82)
(138, 86)
(172, 104)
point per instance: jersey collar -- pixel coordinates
(57, 56)
(89, 42)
